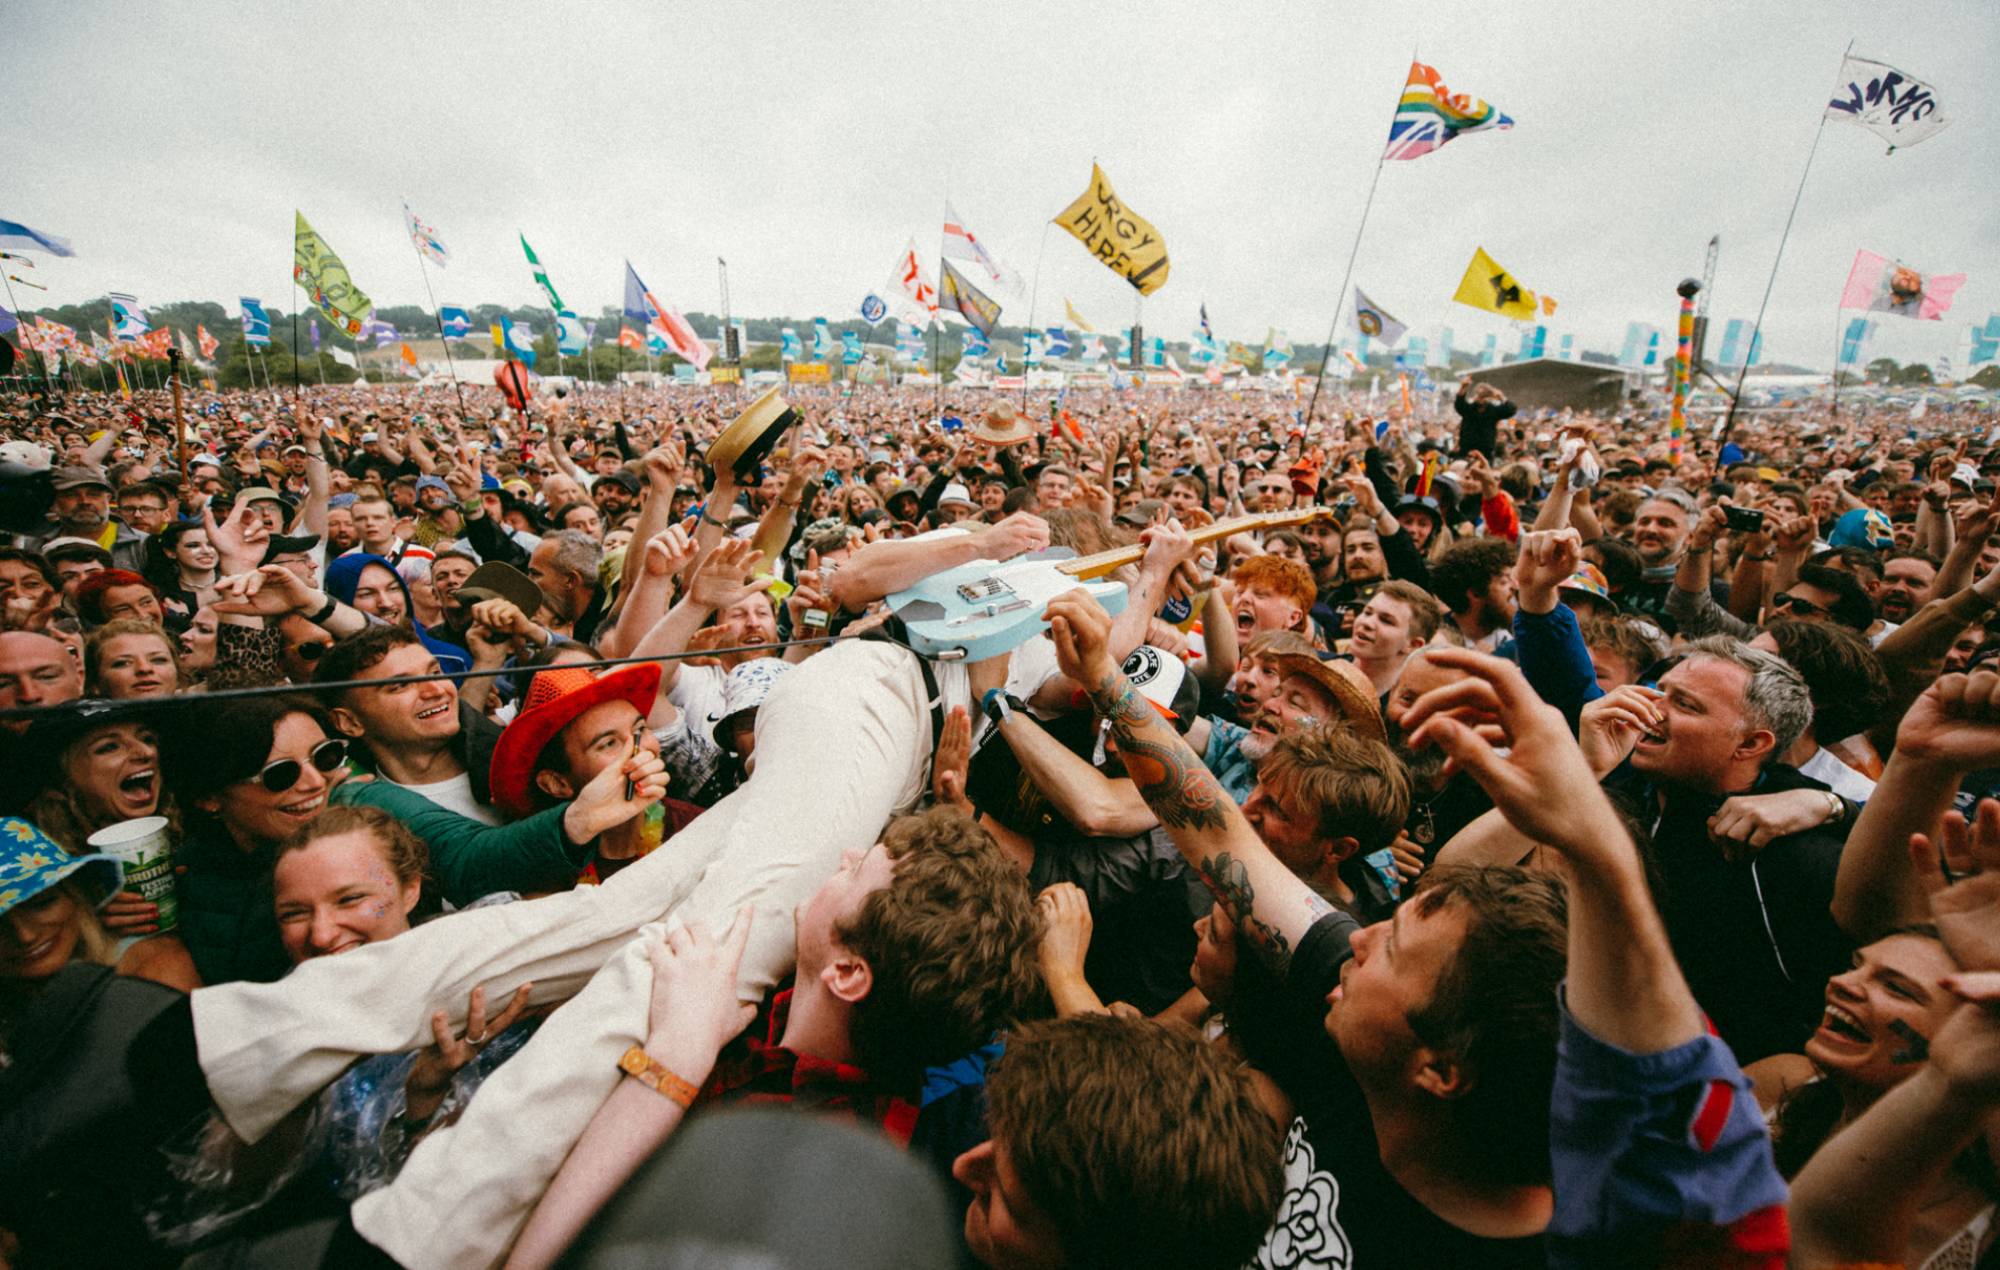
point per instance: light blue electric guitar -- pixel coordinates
(986, 608)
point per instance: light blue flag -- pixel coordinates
(975, 343)
(129, 318)
(15, 235)
(1851, 340)
(1985, 342)
(256, 323)
(1156, 352)
(457, 322)
(570, 337)
(789, 348)
(1444, 349)
(1031, 349)
(850, 348)
(1490, 354)
(520, 340)
(656, 344)
(822, 341)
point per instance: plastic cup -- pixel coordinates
(147, 850)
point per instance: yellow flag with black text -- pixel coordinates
(319, 271)
(1487, 286)
(1124, 242)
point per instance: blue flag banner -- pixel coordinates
(789, 348)
(256, 323)
(1985, 342)
(1058, 343)
(457, 322)
(976, 344)
(850, 348)
(1857, 333)
(822, 341)
(21, 238)
(570, 338)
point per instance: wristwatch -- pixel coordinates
(1839, 808)
(654, 1075)
(997, 705)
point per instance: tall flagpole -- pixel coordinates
(1735, 399)
(436, 316)
(1034, 290)
(1340, 297)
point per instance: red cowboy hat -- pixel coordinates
(555, 699)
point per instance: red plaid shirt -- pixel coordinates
(754, 1068)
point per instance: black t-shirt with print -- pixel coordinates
(1341, 1207)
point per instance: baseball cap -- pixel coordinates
(1163, 679)
(77, 476)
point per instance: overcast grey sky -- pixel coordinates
(806, 143)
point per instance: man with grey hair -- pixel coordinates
(1752, 930)
(1660, 532)
(564, 565)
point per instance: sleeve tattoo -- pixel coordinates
(1181, 792)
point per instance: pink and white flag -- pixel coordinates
(680, 336)
(1880, 285)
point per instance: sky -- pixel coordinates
(808, 143)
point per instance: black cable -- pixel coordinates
(95, 704)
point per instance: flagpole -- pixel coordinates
(1743, 373)
(1839, 343)
(20, 320)
(436, 316)
(1340, 297)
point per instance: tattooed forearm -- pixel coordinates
(1229, 880)
(1168, 775)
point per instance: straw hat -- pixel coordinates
(1353, 695)
(752, 435)
(1003, 425)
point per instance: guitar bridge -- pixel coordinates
(982, 590)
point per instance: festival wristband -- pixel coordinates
(654, 1075)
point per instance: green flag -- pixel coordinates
(319, 271)
(541, 275)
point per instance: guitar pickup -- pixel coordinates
(989, 611)
(982, 590)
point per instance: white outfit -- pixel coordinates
(456, 795)
(843, 744)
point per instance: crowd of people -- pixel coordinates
(1482, 837)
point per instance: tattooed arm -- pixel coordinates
(1271, 906)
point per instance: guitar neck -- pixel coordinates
(1103, 562)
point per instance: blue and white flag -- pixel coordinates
(1857, 333)
(873, 308)
(822, 340)
(1277, 350)
(1742, 344)
(789, 348)
(909, 342)
(1985, 342)
(975, 343)
(426, 239)
(15, 235)
(1031, 349)
(1567, 349)
(1534, 342)
(850, 348)
(1156, 353)
(1057, 344)
(520, 340)
(256, 323)
(570, 337)
(656, 343)
(1898, 108)
(1093, 349)
(457, 322)
(129, 320)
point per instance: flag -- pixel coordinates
(656, 343)
(958, 295)
(256, 323)
(663, 320)
(1076, 319)
(1884, 286)
(570, 339)
(1742, 344)
(208, 342)
(629, 338)
(1156, 352)
(1985, 342)
(317, 269)
(976, 344)
(909, 342)
(1895, 107)
(1277, 349)
(542, 275)
(21, 238)
(850, 347)
(457, 323)
(873, 308)
(345, 357)
(1642, 345)
(789, 348)
(1207, 333)
(1534, 342)
(8, 322)
(959, 244)
(128, 317)
(822, 342)
(426, 239)
(312, 329)
(1120, 239)
(1487, 286)
(518, 338)
(913, 295)
(1374, 322)
(410, 359)
(1058, 343)
(1031, 348)
(1429, 115)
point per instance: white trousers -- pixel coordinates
(843, 744)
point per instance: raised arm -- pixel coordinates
(1099, 805)
(1271, 905)
(883, 568)
(318, 487)
(776, 526)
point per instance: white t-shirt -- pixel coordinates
(456, 795)
(1838, 776)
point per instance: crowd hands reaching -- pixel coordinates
(1517, 840)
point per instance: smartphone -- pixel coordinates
(1743, 519)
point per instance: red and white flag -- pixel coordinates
(959, 244)
(680, 337)
(208, 342)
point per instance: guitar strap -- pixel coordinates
(894, 632)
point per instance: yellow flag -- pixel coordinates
(1076, 319)
(1123, 242)
(1487, 286)
(324, 277)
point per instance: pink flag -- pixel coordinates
(1881, 285)
(679, 336)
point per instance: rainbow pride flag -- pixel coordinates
(1430, 114)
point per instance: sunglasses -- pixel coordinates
(282, 775)
(312, 649)
(1805, 608)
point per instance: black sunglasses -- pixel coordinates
(312, 649)
(282, 775)
(1786, 600)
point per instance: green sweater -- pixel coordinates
(227, 913)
